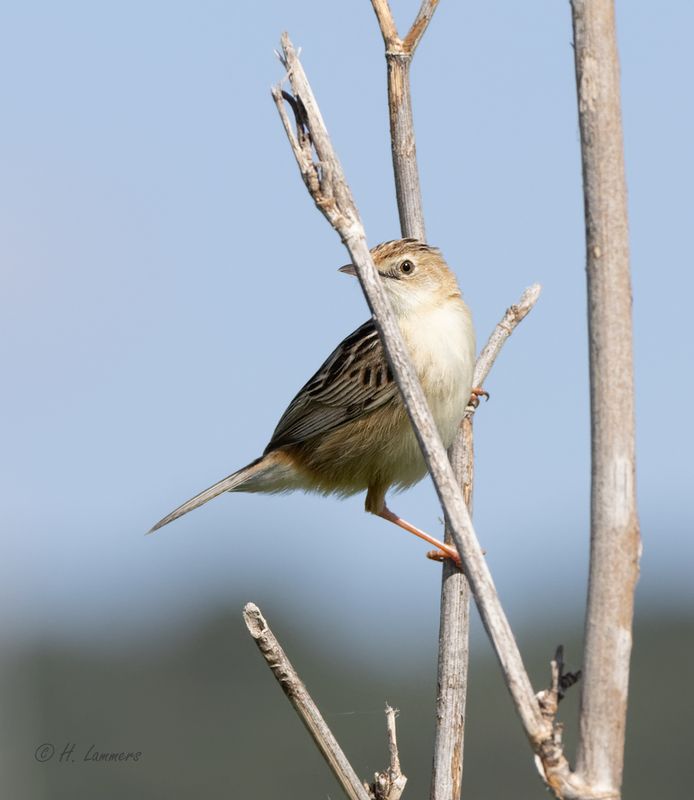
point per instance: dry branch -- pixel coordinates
(325, 180)
(549, 699)
(513, 316)
(454, 620)
(615, 539)
(389, 784)
(453, 657)
(399, 53)
(299, 697)
(455, 603)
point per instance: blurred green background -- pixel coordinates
(210, 720)
(167, 286)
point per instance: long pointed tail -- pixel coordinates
(260, 475)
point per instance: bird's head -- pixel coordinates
(414, 275)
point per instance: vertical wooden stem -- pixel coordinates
(454, 639)
(454, 624)
(402, 140)
(615, 538)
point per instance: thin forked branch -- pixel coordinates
(389, 29)
(454, 623)
(399, 54)
(455, 605)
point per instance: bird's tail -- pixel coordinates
(273, 472)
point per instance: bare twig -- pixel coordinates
(549, 699)
(386, 22)
(399, 53)
(389, 29)
(299, 697)
(421, 23)
(514, 314)
(453, 655)
(615, 539)
(332, 195)
(389, 784)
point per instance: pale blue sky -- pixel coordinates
(167, 285)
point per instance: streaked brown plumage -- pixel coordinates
(347, 430)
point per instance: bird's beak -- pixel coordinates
(348, 269)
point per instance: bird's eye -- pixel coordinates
(407, 267)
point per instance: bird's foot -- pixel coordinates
(439, 555)
(475, 395)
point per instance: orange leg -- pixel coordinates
(445, 550)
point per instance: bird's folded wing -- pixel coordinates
(354, 381)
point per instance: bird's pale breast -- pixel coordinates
(380, 448)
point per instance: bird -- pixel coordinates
(347, 430)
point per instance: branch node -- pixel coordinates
(390, 783)
(561, 680)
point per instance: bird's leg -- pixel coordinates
(475, 395)
(446, 551)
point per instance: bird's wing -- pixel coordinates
(354, 381)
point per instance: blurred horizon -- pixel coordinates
(211, 718)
